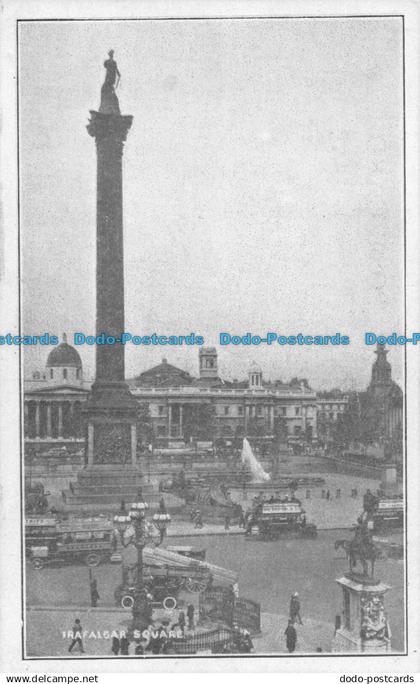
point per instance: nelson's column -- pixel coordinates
(111, 471)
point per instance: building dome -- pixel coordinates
(64, 356)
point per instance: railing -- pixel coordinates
(247, 614)
(202, 642)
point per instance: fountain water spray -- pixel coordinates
(248, 459)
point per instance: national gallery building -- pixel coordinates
(173, 405)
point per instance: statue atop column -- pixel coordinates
(109, 99)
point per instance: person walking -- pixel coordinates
(294, 612)
(94, 594)
(198, 520)
(124, 644)
(291, 637)
(190, 616)
(181, 621)
(227, 522)
(328, 495)
(77, 637)
(115, 648)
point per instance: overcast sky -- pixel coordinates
(262, 186)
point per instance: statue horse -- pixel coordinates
(359, 550)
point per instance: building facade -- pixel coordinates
(173, 405)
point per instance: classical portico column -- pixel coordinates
(60, 419)
(180, 420)
(37, 419)
(170, 420)
(303, 419)
(49, 424)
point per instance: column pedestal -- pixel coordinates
(363, 625)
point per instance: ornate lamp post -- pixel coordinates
(161, 521)
(142, 534)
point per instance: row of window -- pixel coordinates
(281, 411)
(64, 373)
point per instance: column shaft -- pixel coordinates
(170, 420)
(49, 426)
(109, 259)
(37, 419)
(60, 419)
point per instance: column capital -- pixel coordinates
(105, 126)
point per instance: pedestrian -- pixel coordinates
(291, 637)
(77, 637)
(162, 507)
(124, 644)
(115, 648)
(190, 616)
(94, 594)
(294, 611)
(328, 495)
(181, 621)
(198, 520)
(139, 649)
(241, 519)
(227, 522)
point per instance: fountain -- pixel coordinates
(248, 459)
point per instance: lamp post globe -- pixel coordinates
(161, 521)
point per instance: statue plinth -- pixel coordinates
(363, 626)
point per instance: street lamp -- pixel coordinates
(142, 533)
(161, 521)
(141, 607)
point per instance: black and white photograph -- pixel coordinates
(212, 334)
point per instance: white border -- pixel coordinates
(10, 574)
